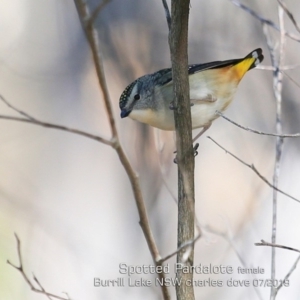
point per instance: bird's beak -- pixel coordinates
(125, 113)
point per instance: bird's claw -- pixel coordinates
(195, 148)
(171, 105)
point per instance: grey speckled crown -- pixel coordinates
(125, 94)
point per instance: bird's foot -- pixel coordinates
(171, 105)
(195, 148)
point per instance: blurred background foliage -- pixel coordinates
(68, 197)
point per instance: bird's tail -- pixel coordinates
(257, 56)
(249, 62)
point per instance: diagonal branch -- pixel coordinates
(167, 12)
(184, 246)
(291, 79)
(41, 287)
(289, 14)
(292, 135)
(287, 276)
(264, 243)
(20, 268)
(229, 238)
(22, 113)
(264, 20)
(93, 40)
(97, 10)
(253, 168)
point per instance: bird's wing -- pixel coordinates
(201, 88)
(165, 75)
(212, 65)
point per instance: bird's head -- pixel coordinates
(137, 97)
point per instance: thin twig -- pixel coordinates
(291, 135)
(291, 79)
(22, 113)
(67, 295)
(96, 11)
(59, 127)
(30, 119)
(264, 20)
(182, 247)
(20, 268)
(289, 14)
(93, 39)
(167, 12)
(228, 237)
(287, 276)
(253, 168)
(114, 142)
(41, 287)
(264, 243)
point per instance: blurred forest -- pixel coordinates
(68, 197)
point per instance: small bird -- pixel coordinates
(149, 99)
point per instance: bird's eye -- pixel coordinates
(137, 97)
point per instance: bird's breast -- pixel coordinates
(204, 113)
(160, 119)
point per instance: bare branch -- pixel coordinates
(93, 40)
(292, 135)
(228, 237)
(22, 113)
(291, 79)
(290, 15)
(97, 10)
(67, 295)
(253, 168)
(31, 120)
(182, 247)
(178, 42)
(59, 127)
(179, 57)
(114, 142)
(20, 268)
(277, 89)
(264, 243)
(264, 20)
(41, 287)
(167, 12)
(287, 276)
(283, 68)
(190, 243)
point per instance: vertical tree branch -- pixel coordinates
(93, 40)
(178, 40)
(277, 87)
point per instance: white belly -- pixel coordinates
(205, 113)
(202, 114)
